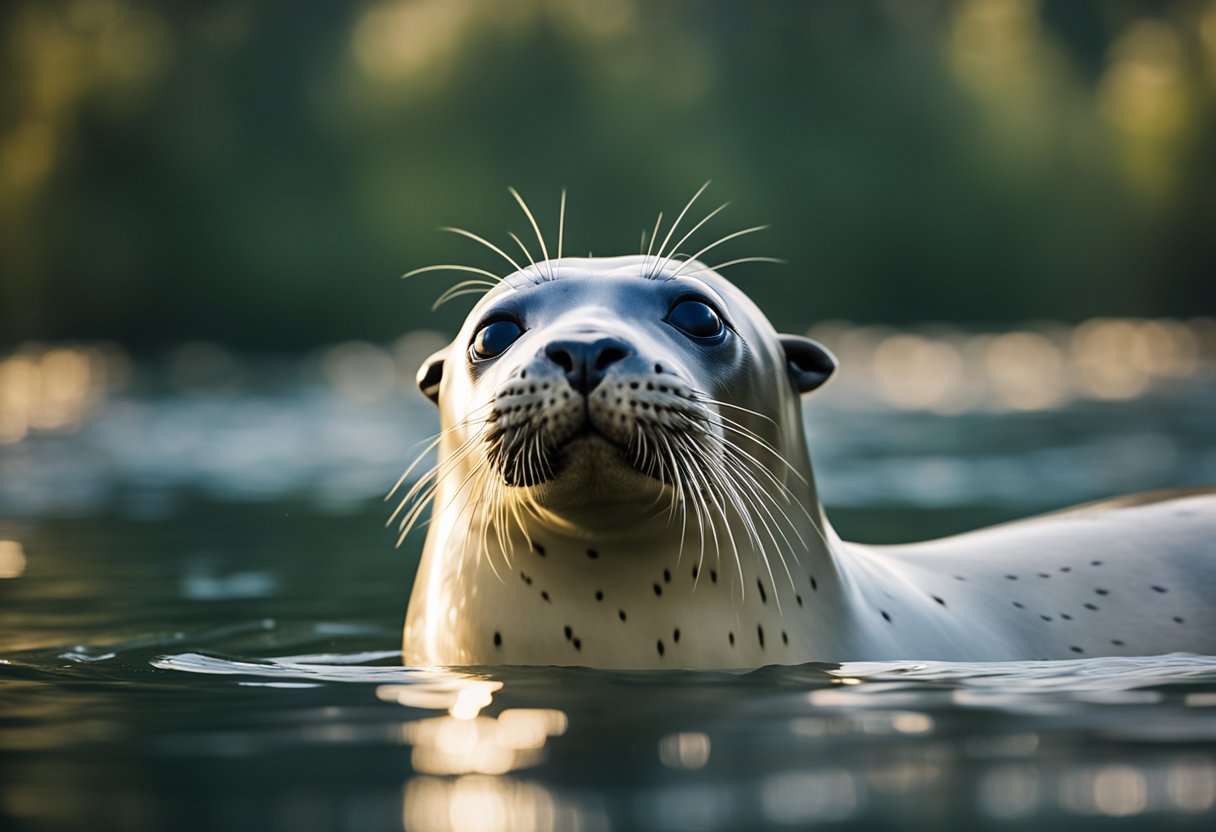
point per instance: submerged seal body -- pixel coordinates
(623, 482)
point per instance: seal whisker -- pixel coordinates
(676, 224)
(670, 472)
(728, 480)
(435, 471)
(439, 473)
(654, 234)
(416, 509)
(688, 496)
(714, 245)
(762, 497)
(728, 424)
(736, 262)
(749, 486)
(454, 267)
(705, 398)
(540, 239)
(479, 239)
(789, 495)
(687, 236)
(700, 491)
(450, 296)
(523, 248)
(745, 433)
(464, 287)
(738, 468)
(561, 227)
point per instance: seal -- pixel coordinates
(623, 482)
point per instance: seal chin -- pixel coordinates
(595, 471)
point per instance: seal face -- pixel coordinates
(623, 482)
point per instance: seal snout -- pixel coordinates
(599, 388)
(585, 361)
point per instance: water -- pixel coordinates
(201, 612)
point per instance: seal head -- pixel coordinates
(600, 381)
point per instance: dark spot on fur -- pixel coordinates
(814, 584)
(544, 593)
(497, 639)
(763, 594)
(1066, 616)
(1095, 563)
(591, 553)
(540, 550)
(713, 575)
(886, 615)
(1045, 617)
(938, 600)
(526, 578)
(1117, 642)
(658, 590)
(785, 637)
(695, 572)
(798, 598)
(1019, 605)
(675, 635)
(731, 637)
(1178, 619)
(633, 385)
(1159, 588)
(599, 595)
(569, 632)
(1093, 607)
(1065, 568)
(658, 368)
(1076, 649)
(959, 578)
(523, 374)
(1102, 592)
(662, 649)
(1011, 577)
(760, 633)
(578, 644)
(666, 576)
(620, 614)
(1044, 575)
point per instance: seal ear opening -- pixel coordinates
(810, 363)
(430, 374)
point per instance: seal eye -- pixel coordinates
(494, 338)
(696, 319)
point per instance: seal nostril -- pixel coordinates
(607, 356)
(561, 357)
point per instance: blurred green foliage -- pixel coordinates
(261, 173)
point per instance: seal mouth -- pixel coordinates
(526, 458)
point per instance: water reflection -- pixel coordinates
(491, 804)
(55, 389)
(866, 745)
(950, 370)
(12, 559)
